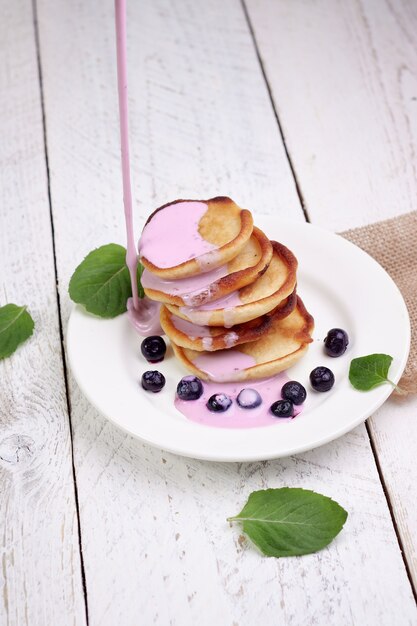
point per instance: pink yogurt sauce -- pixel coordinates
(201, 314)
(145, 318)
(194, 290)
(195, 331)
(224, 363)
(236, 417)
(227, 302)
(190, 329)
(171, 237)
(231, 362)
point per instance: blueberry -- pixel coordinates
(294, 391)
(282, 408)
(219, 402)
(153, 381)
(153, 348)
(336, 342)
(189, 388)
(322, 379)
(249, 399)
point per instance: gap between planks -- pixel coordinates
(307, 218)
(391, 510)
(275, 112)
(61, 333)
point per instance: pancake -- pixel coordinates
(189, 335)
(252, 301)
(276, 350)
(189, 237)
(242, 270)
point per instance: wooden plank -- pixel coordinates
(155, 542)
(343, 80)
(342, 77)
(40, 576)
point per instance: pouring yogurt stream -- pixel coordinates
(143, 313)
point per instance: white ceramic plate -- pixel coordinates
(340, 285)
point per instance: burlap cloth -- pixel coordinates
(393, 243)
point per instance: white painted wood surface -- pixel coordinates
(40, 574)
(155, 543)
(344, 79)
(351, 130)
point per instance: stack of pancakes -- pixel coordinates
(228, 294)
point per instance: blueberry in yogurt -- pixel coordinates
(189, 388)
(219, 403)
(249, 399)
(153, 381)
(282, 408)
(294, 391)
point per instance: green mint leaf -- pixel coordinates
(290, 521)
(16, 325)
(102, 281)
(367, 372)
(141, 292)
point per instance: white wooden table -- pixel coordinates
(296, 108)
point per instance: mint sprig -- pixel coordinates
(16, 326)
(368, 372)
(102, 282)
(290, 521)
